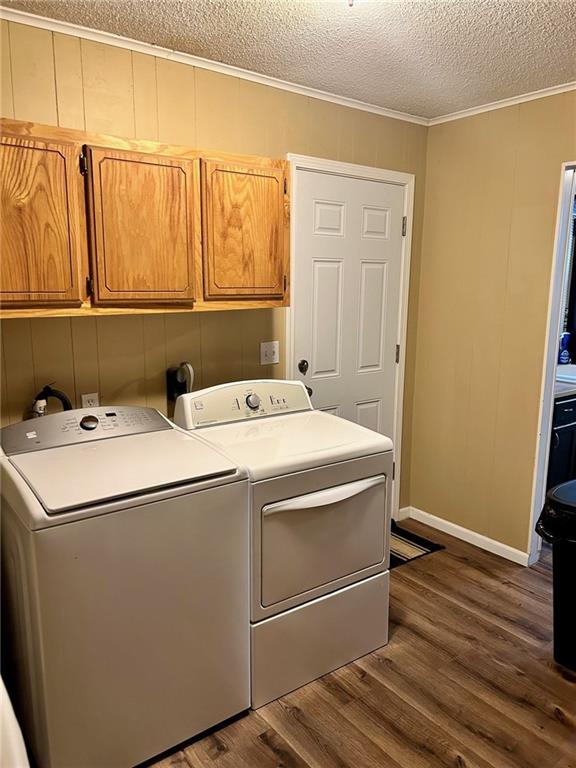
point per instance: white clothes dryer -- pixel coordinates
(320, 520)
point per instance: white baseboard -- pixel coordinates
(465, 534)
(403, 513)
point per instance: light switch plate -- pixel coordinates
(90, 400)
(269, 352)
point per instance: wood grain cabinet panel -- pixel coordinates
(145, 226)
(42, 226)
(245, 227)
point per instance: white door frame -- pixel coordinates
(406, 180)
(567, 191)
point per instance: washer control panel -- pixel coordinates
(80, 426)
(239, 401)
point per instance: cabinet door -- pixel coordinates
(42, 225)
(145, 219)
(245, 230)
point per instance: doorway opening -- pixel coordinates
(556, 447)
(566, 370)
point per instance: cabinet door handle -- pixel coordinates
(556, 439)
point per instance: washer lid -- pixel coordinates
(280, 445)
(88, 474)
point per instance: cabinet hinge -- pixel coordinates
(89, 286)
(404, 225)
(285, 186)
(393, 470)
(83, 161)
(397, 353)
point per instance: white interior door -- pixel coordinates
(347, 284)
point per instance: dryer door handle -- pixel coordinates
(323, 498)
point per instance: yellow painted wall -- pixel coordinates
(492, 186)
(478, 294)
(62, 80)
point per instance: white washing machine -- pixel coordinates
(320, 518)
(125, 552)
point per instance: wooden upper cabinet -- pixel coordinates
(88, 220)
(145, 226)
(245, 230)
(42, 223)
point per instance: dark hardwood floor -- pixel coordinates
(466, 680)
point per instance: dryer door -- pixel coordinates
(318, 538)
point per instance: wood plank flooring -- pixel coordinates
(467, 681)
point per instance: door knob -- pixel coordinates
(303, 366)
(309, 390)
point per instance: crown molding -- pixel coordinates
(65, 28)
(503, 103)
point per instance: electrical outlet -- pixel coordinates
(269, 352)
(90, 400)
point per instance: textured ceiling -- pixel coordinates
(424, 57)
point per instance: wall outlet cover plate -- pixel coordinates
(90, 400)
(269, 352)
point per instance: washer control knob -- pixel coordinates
(253, 401)
(89, 422)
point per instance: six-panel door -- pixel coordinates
(245, 226)
(145, 214)
(43, 237)
(349, 254)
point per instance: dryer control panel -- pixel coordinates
(79, 426)
(239, 401)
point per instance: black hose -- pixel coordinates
(49, 391)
